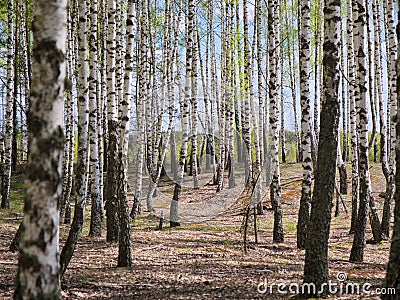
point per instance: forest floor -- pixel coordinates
(205, 260)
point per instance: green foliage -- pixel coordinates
(291, 227)
(17, 185)
(17, 201)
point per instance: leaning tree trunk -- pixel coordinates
(316, 269)
(390, 172)
(38, 267)
(80, 179)
(304, 57)
(382, 121)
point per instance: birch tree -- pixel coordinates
(304, 57)
(357, 251)
(353, 114)
(174, 216)
(316, 256)
(124, 239)
(392, 106)
(392, 272)
(111, 203)
(38, 267)
(5, 195)
(274, 99)
(80, 173)
(94, 162)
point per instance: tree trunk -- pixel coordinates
(80, 173)
(390, 171)
(316, 257)
(353, 114)
(174, 211)
(246, 111)
(304, 57)
(357, 251)
(38, 267)
(274, 99)
(111, 203)
(393, 271)
(94, 161)
(5, 193)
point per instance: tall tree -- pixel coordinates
(274, 100)
(365, 194)
(316, 257)
(142, 84)
(353, 116)
(174, 212)
(306, 129)
(392, 107)
(111, 202)
(80, 173)
(382, 119)
(5, 193)
(38, 267)
(247, 91)
(392, 272)
(124, 239)
(94, 161)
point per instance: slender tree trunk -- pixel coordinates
(246, 111)
(94, 161)
(69, 145)
(124, 249)
(342, 172)
(194, 104)
(293, 89)
(306, 129)
(221, 105)
(174, 212)
(214, 88)
(274, 98)
(382, 120)
(390, 172)
(392, 272)
(229, 95)
(80, 173)
(372, 103)
(15, 130)
(357, 251)
(112, 109)
(353, 116)
(5, 196)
